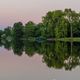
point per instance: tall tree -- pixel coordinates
(17, 30)
(29, 29)
(72, 18)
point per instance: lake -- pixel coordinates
(39, 61)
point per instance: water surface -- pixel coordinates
(40, 61)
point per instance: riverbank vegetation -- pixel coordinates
(58, 25)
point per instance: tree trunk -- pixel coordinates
(71, 32)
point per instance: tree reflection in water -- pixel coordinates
(55, 54)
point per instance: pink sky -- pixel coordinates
(12, 11)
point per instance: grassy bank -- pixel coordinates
(68, 39)
(76, 39)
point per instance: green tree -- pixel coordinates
(40, 30)
(73, 19)
(17, 31)
(1, 33)
(7, 33)
(48, 22)
(17, 38)
(29, 30)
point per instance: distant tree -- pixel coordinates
(7, 33)
(29, 29)
(54, 22)
(1, 33)
(17, 30)
(73, 19)
(17, 38)
(48, 22)
(41, 30)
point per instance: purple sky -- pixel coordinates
(12, 11)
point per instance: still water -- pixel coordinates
(39, 61)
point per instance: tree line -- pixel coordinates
(55, 24)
